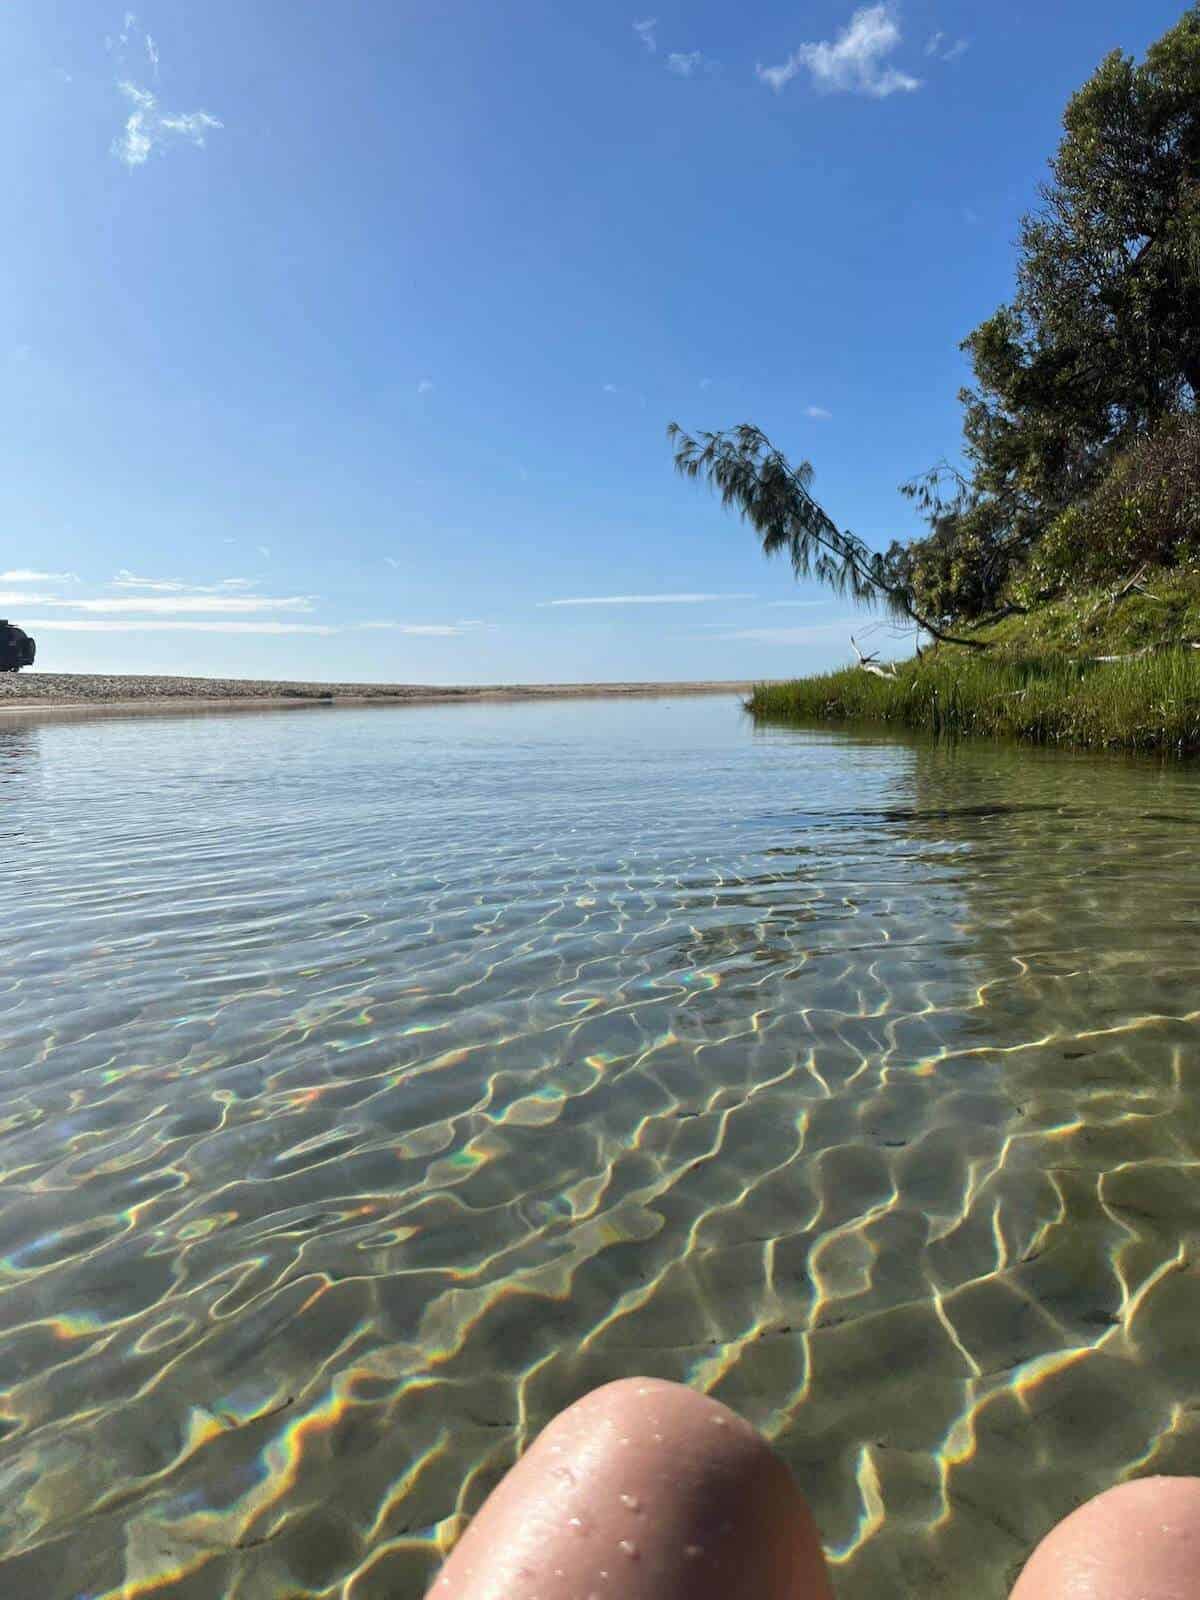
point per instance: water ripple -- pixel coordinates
(370, 1089)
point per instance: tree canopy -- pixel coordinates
(1096, 354)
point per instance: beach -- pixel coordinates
(102, 692)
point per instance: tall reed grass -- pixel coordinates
(1149, 703)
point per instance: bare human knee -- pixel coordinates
(1140, 1539)
(646, 1490)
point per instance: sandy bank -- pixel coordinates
(26, 692)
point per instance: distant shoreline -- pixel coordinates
(27, 693)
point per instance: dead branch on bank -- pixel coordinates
(872, 664)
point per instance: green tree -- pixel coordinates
(1098, 350)
(756, 479)
(1102, 339)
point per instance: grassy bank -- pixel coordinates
(1039, 679)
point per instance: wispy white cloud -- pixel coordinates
(264, 550)
(644, 599)
(647, 34)
(706, 383)
(818, 413)
(156, 604)
(774, 605)
(818, 633)
(937, 47)
(393, 561)
(149, 625)
(687, 64)
(193, 125)
(425, 630)
(610, 388)
(130, 580)
(853, 63)
(147, 126)
(425, 386)
(24, 575)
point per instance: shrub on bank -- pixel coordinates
(1146, 510)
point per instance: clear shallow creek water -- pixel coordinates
(373, 1083)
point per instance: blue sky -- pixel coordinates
(340, 341)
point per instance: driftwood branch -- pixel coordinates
(1121, 591)
(871, 664)
(1147, 650)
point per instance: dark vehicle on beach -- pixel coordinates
(17, 649)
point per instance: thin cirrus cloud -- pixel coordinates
(644, 599)
(685, 64)
(853, 63)
(157, 625)
(195, 604)
(425, 630)
(937, 47)
(147, 126)
(130, 580)
(24, 575)
(819, 633)
(645, 31)
(818, 413)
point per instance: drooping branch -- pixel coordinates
(755, 479)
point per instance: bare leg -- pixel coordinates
(642, 1490)
(1139, 1541)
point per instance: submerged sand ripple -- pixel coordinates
(349, 1130)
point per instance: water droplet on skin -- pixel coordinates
(719, 1422)
(658, 1438)
(693, 1551)
(625, 1441)
(627, 1547)
(631, 1502)
(564, 1473)
(577, 1525)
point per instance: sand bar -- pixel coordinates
(87, 693)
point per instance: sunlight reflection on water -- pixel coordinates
(373, 1083)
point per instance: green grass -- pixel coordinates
(1037, 680)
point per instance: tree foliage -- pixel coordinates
(1145, 511)
(755, 479)
(1101, 341)
(1078, 463)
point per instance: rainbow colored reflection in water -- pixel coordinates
(373, 1083)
